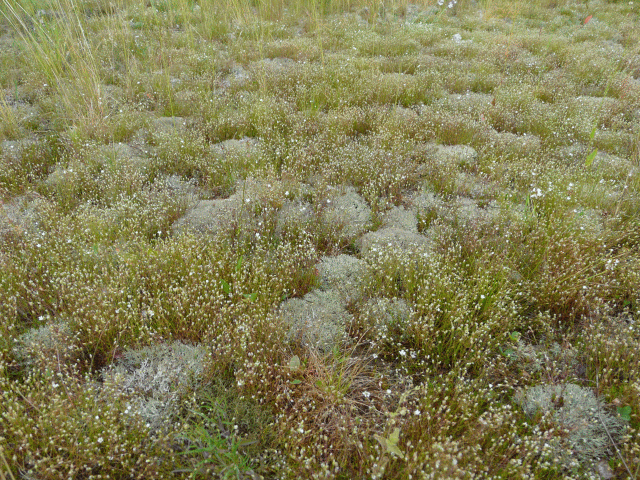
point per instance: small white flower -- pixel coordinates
(482, 297)
(402, 353)
(416, 412)
(100, 439)
(366, 394)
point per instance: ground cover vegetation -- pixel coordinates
(313, 239)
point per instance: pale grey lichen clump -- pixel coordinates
(350, 211)
(591, 428)
(400, 217)
(22, 214)
(390, 237)
(386, 314)
(53, 341)
(156, 378)
(342, 273)
(317, 320)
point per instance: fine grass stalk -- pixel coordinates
(62, 50)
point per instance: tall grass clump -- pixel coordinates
(61, 48)
(10, 122)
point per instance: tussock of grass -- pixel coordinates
(184, 186)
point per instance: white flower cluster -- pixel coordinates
(536, 193)
(449, 5)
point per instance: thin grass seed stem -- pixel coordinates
(6, 464)
(609, 434)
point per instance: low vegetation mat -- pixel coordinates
(283, 239)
